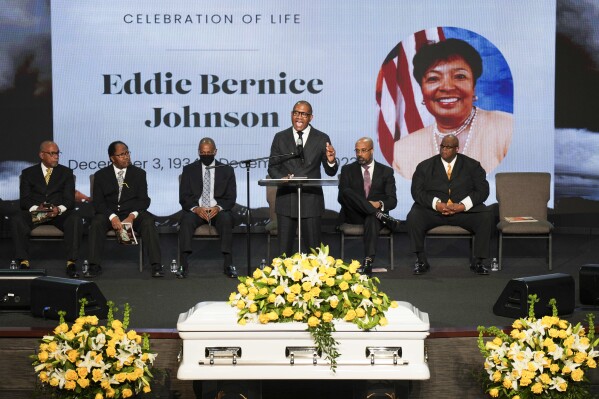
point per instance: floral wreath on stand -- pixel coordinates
(315, 289)
(92, 361)
(540, 358)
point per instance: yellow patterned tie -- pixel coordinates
(449, 177)
(47, 176)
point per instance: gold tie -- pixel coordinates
(47, 176)
(449, 177)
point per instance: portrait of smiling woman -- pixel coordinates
(447, 72)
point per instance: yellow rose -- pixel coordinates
(517, 324)
(577, 375)
(271, 298)
(240, 304)
(262, 318)
(313, 321)
(105, 384)
(279, 290)
(377, 301)
(99, 396)
(253, 308)
(251, 297)
(62, 328)
(317, 313)
(291, 297)
(537, 388)
(346, 276)
(69, 335)
(83, 382)
(111, 351)
(272, 316)
(52, 346)
(257, 274)
(82, 372)
(383, 321)
(307, 286)
(127, 393)
(298, 316)
(76, 328)
(331, 271)
(43, 376)
(271, 281)
(287, 312)
(305, 264)
(70, 385)
(496, 376)
(366, 293)
(327, 317)
(42, 356)
(494, 392)
(358, 288)
(394, 304)
(241, 322)
(70, 375)
(296, 288)
(350, 315)
(54, 381)
(121, 377)
(563, 324)
(297, 275)
(97, 375)
(360, 312)
(267, 270)
(263, 291)
(525, 382)
(343, 286)
(116, 324)
(353, 266)
(516, 397)
(110, 393)
(373, 311)
(545, 379)
(232, 296)
(330, 281)
(307, 296)
(315, 291)
(147, 389)
(334, 303)
(591, 363)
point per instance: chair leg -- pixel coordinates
(549, 257)
(268, 258)
(342, 246)
(141, 255)
(500, 251)
(391, 250)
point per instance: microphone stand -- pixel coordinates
(247, 163)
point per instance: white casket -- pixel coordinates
(215, 347)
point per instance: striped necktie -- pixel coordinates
(47, 176)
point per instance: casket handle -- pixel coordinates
(232, 352)
(394, 352)
(302, 351)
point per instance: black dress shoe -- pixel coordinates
(367, 267)
(231, 271)
(92, 271)
(479, 269)
(421, 268)
(72, 271)
(157, 271)
(387, 220)
(183, 272)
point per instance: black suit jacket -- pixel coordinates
(468, 179)
(134, 197)
(192, 185)
(314, 156)
(59, 191)
(382, 186)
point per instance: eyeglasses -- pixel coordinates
(52, 153)
(207, 152)
(123, 154)
(362, 150)
(302, 114)
(448, 147)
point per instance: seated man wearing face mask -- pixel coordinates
(207, 194)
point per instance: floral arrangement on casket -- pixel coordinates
(92, 361)
(315, 289)
(540, 358)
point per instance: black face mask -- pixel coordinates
(206, 159)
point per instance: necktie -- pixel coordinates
(47, 176)
(367, 182)
(449, 201)
(300, 145)
(120, 180)
(206, 189)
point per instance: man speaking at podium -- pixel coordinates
(310, 148)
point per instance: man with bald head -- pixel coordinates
(450, 189)
(47, 189)
(367, 193)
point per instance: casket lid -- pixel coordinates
(220, 316)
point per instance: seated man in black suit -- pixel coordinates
(450, 189)
(120, 195)
(207, 194)
(47, 190)
(367, 193)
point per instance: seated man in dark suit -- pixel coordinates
(120, 195)
(450, 189)
(47, 190)
(207, 194)
(367, 193)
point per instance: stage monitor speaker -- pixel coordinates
(49, 295)
(513, 301)
(15, 288)
(588, 278)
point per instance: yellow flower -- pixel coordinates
(82, 372)
(383, 321)
(496, 376)
(116, 324)
(315, 291)
(330, 281)
(517, 324)
(69, 335)
(563, 324)
(271, 298)
(291, 297)
(262, 318)
(537, 388)
(591, 363)
(296, 288)
(313, 321)
(253, 308)
(343, 286)
(331, 271)
(111, 351)
(577, 375)
(307, 286)
(271, 281)
(147, 389)
(353, 266)
(307, 296)
(366, 293)
(350, 315)
(62, 328)
(257, 274)
(263, 291)
(97, 375)
(54, 381)
(241, 304)
(70, 385)
(334, 303)
(52, 346)
(279, 290)
(43, 377)
(545, 379)
(232, 296)
(76, 328)
(360, 312)
(127, 393)
(42, 356)
(241, 322)
(394, 304)
(297, 275)
(110, 393)
(99, 396)
(287, 312)
(83, 382)
(298, 316)
(70, 375)
(347, 276)
(525, 382)
(72, 355)
(327, 317)
(554, 368)
(494, 392)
